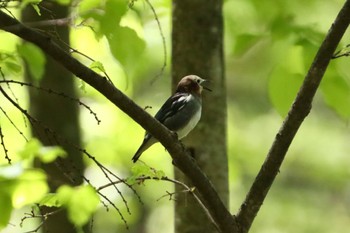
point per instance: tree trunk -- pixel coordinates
(197, 48)
(57, 113)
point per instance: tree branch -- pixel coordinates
(298, 112)
(181, 158)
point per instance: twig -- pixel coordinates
(51, 91)
(43, 218)
(187, 189)
(342, 52)
(163, 41)
(104, 170)
(13, 124)
(298, 112)
(2, 142)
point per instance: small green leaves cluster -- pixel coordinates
(21, 184)
(142, 170)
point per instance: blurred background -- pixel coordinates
(268, 49)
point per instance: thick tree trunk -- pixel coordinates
(59, 114)
(197, 48)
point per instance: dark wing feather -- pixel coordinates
(174, 104)
(171, 106)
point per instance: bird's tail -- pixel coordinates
(138, 154)
(147, 142)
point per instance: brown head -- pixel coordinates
(191, 84)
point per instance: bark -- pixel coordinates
(197, 48)
(60, 114)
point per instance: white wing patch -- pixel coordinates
(183, 99)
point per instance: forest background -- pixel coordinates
(268, 49)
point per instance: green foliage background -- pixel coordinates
(268, 49)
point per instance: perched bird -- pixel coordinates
(180, 113)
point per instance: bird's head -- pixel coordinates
(192, 84)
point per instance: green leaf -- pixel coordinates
(286, 78)
(36, 8)
(81, 202)
(13, 67)
(50, 200)
(31, 187)
(31, 149)
(48, 154)
(126, 46)
(98, 66)
(10, 62)
(336, 92)
(33, 3)
(87, 5)
(11, 171)
(141, 170)
(35, 59)
(6, 209)
(82, 86)
(159, 174)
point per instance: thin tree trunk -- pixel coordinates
(59, 114)
(197, 48)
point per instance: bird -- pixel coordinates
(180, 113)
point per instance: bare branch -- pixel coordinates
(298, 112)
(51, 91)
(187, 189)
(2, 142)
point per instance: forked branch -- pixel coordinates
(296, 115)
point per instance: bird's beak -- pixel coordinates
(205, 87)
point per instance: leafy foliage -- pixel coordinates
(81, 202)
(35, 59)
(125, 44)
(19, 187)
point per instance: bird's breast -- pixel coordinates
(181, 133)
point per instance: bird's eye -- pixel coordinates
(198, 81)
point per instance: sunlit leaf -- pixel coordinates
(33, 3)
(36, 8)
(126, 46)
(11, 171)
(31, 149)
(81, 202)
(35, 59)
(88, 5)
(141, 170)
(50, 200)
(31, 187)
(48, 154)
(13, 67)
(82, 86)
(159, 174)
(98, 66)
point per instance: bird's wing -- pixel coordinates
(174, 104)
